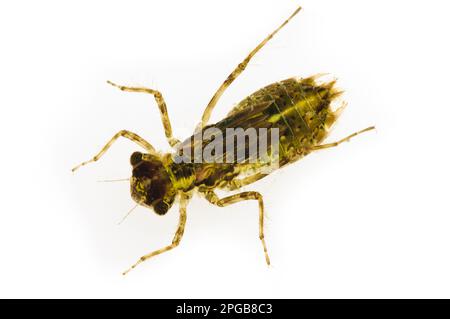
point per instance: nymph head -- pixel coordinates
(150, 183)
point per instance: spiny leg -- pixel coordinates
(238, 183)
(345, 139)
(161, 105)
(176, 238)
(214, 199)
(236, 72)
(124, 133)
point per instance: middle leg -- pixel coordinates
(161, 105)
(222, 202)
(238, 183)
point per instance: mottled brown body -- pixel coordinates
(301, 111)
(299, 108)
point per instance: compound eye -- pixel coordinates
(161, 208)
(135, 158)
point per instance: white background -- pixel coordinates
(367, 219)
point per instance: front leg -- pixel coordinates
(222, 202)
(176, 238)
(124, 133)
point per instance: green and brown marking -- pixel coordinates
(301, 109)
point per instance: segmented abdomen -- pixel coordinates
(299, 108)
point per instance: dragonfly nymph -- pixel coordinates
(299, 110)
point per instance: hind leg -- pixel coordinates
(236, 72)
(345, 139)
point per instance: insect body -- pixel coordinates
(298, 109)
